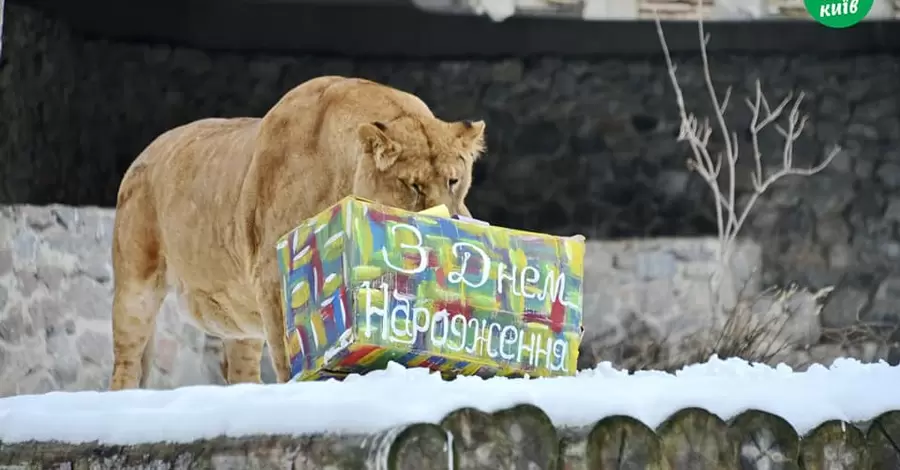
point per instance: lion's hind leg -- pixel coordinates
(140, 285)
(215, 315)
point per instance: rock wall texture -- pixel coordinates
(575, 145)
(647, 304)
(580, 145)
(519, 437)
(56, 305)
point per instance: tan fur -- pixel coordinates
(202, 207)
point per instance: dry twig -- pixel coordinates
(697, 132)
(741, 334)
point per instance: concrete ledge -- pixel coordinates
(713, 10)
(518, 437)
(425, 445)
(397, 30)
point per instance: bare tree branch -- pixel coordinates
(698, 132)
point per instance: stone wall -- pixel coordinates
(646, 305)
(575, 145)
(690, 439)
(594, 135)
(56, 306)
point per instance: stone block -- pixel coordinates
(56, 306)
(647, 303)
(519, 437)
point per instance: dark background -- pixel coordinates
(581, 117)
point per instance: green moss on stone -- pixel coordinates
(621, 443)
(478, 440)
(695, 439)
(94, 456)
(883, 440)
(573, 448)
(518, 437)
(422, 446)
(532, 435)
(834, 445)
(765, 441)
(320, 451)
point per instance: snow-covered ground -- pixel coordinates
(848, 390)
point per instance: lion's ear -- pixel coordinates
(377, 145)
(471, 137)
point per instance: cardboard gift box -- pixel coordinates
(365, 284)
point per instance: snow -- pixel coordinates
(848, 390)
(610, 10)
(496, 10)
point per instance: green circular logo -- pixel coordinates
(838, 13)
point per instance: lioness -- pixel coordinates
(202, 207)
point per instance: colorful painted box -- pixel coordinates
(365, 284)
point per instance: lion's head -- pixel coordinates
(416, 162)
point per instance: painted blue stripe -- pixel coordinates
(339, 312)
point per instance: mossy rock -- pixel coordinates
(883, 440)
(413, 447)
(573, 447)
(478, 440)
(96, 456)
(695, 439)
(765, 441)
(623, 443)
(834, 445)
(533, 436)
(403, 448)
(519, 437)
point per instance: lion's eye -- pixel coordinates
(453, 182)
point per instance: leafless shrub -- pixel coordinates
(886, 333)
(866, 341)
(760, 328)
(748, 331)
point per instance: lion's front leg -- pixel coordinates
(268, 295)
(242, 357)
